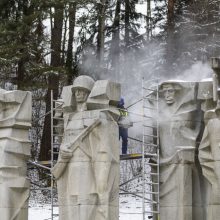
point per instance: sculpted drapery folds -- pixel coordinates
(209, 157)
(179, 126)
(209, 153)
(15, 120)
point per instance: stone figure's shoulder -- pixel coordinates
(101, 103)
(67, 99)
(104, 95)
(102, 114)
(107, 114)
(90, 114)
(211, 114)
(15, 96)
(16, 107)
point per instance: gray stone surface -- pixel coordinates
(104, 94)
(209, 157)
(209, 151)
(180, 123)
(205, 94)
(87, 170)
(15, 120)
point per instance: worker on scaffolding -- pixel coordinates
(124, 123)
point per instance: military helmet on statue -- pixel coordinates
(83, 82)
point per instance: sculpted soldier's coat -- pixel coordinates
(209, 157)
(179, 128)
(87, 170)
(209, 150)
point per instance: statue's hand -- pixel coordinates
(66, 152)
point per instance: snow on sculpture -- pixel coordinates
(15, 120)
(87, 170)
(209, 151)
(179, 126)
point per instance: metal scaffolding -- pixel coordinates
(141, 166)
(150, 147)
(56, 139)
(46, 166)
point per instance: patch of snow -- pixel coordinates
(130, 208)
(42, 212)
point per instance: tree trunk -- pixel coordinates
(101, 30)
(24, 57)
(20, 73)
(63, 48)
(40, 35)
(69, 58)
(170, 48)
(148, 19)
(127, 24)
(170, 12)
(115, 44)
(53, 81)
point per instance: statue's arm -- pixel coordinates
(67, 150)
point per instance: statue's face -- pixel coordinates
(169, 94)
(81, 95)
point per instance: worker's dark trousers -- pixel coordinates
(123, 134)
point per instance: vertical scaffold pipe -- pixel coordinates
(158, 153)
(143, 152)
(51, 181)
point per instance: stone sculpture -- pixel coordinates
(209, 156)
(209, 152)
(15, 120)
(87, 170)
(179, 126)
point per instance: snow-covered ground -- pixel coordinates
(41, 212)
(130, 209)
(130, 206)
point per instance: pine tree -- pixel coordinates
(53, 78)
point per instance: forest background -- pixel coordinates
(44, 45)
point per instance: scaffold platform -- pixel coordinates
(133, 156)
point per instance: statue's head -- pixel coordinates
(169, 93)
(82, 86)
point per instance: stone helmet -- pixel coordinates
(83, 82)
(177, 85)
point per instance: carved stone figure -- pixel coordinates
(179, 126)
(87, 170)
(209, 156)
(209, 151)
(15, 120)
